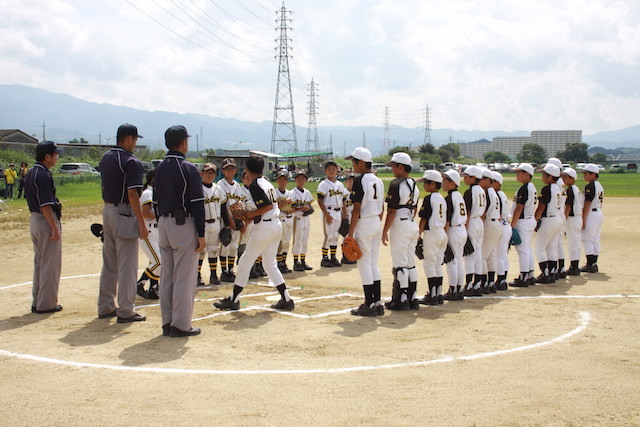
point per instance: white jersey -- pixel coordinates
(214, 197)
(574, 201)
(434, 210)
(280, 197)
(505, 212)
(594, 193)
(550, 196)
(368, 190)
(403, 195)
(563, 195)
(262, 193)
(456, 209)
(300, 198)
(147, 198)
(528, 197)
(331, 193)
(231, 190)
(476, 201)
(348, 203)
(246, 198)
(493, 204)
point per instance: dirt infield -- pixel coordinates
(556, 354)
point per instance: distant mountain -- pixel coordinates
(66, 118)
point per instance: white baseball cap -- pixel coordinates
(431, 175)
(552, 170)
(453, 176)
(360, 153)
(400, 158)
(555, 161)
(570, 172)
(590, 167)
(526, 167)
(473, 171)
(486, 173)
(497, 176)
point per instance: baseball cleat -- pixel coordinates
(326, 262)
(440, 299)
(347, 261)
(460, 296)
(335, 262)
(227, 276)
(502, 286)
(298, 267)
(227, 304)
(485, 289)
(593, 268)
(415, 304)
(573, 272)
(397, 305)
(178, 333)
(140, 290)
(365, 310)
(493, 288)
(543, 279)
(519, 283)
(284, 305)
(449, 296)
(213, 280)
(380, 310)
(135, 318)
(306, 266)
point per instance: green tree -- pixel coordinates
(379, 159)
(496, 157)
(532, 153)
(427, 148)
(399, 149)
(430, 158)
(453, 148)
(575, 152)
(444, 154)
(600, 158)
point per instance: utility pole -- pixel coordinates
(427, 125)
(364, 139)
(284, 124)
(386, 144)
(44, 138)
(312, 129)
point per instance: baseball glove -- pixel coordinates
(344, 227)
(515, 237)
(309, 212)
(468, 248)
(350, 249)
(239, 210)
(420, 249)
(448, 254)
(97, 231)
(225, 236)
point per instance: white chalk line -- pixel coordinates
(585, 319)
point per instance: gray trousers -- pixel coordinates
(119, 268)
(47, 262)
(178, 272)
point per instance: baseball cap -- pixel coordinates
(570, 172)
(283, 173)
(229, 162)
(175, 134)
(430, 175)
(497, 176)
(360, 153)
(330, 163)
(453, 176)
(47, 147)
(486, 173)
(473, 171)
(209, 167)
(526, 167)
(555, 161)
(590, 167)
(400, 158)
(552, 170)
(127, 130)
(301, 172)
(11, 164)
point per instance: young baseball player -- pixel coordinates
(548, 216)
(573, 223)
(232, 194)
(214, 197)
(348, 204)
(401, 231)
(502, 251)
(330, 200)
(256, 269)
(560, 272)
(522, 219)
(366, 227)
(149, 245)
(302, 199)
(492, 233)
(475, 200)
(592, 218)
(283, 198)
(456, 235)
(433, 218)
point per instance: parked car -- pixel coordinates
(428, 166)
(600, 167)
(146, 167)
(78, 169)
(629, 166)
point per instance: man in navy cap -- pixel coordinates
(121, 174)
(46, 232)
(180, 206)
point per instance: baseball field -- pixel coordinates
(561, 354)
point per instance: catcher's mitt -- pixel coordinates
(448, 254)
(420, 249)
(98, 231)
(344, 227)
(239, 210)
(350, 249)
(225, 236)
(515, 237)
(309, 212)
(468, 248)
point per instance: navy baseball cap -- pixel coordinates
(127, 130)
(176, 134)
(47, 147)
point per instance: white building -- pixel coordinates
(551, 140)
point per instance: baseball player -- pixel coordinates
(232, 194)
(433, 218)
(348, 207)
(549, 217)
(560, 272)
(331, 202)
(456, 234)
(256, 269)
(45, 229)
(401, 232)
(283, 198)
(149, 245)
(476, 202)
(592, 218)
(214, 197)
(492, 233)
(368, 207)
(522, 219)
(502, 250)
(301, 203)
(264, 239)
(573, 215)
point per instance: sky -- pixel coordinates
(478, 65)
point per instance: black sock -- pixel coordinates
(543, 268)
(283, 258)
(560, 265)
(283, 292)
(411, 292)
(368, 294)
(223, 264)
(575, 264)
(492, 277)
(377, 291)
(469, 278)
(439, 281)
(236, 292)
(595, 259)
(433, 287)
(144, 276)
(325, 253)
(333, 250)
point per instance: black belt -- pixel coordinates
(210, 221)
(336, 209)
(406, 219)
(117, 204)
(289, 216)
(459, 225)
(266, 220)
(493, 219)
(594, 210)
(175, 213)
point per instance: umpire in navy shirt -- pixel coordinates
(121, 174)
(179, 199)
(45, 229)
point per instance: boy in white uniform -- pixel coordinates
(492, 233)
(348, 204)
(149, 245)
(560, 272)
(283, 198)
(232, 194)
(456, 235)
(301, 202)
(502, 251)
(522, 219)
(433, 218)
(476, 202)
(592, 218)
(214, 197)
(256, 269)
(331, 202)
(573, 215)
(548, 215)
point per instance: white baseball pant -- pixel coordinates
(546, 248)
(301, 227)
(475, 231)
(368, 235)
(287, 233)
(492, 234)
(591, 233)
(151, 249)
(212, 237)
(331, 233)
(525, 227)
(502, 252)
(434, 245)
(574, 229)
(403, 236)
(264, 240)
(457, 237)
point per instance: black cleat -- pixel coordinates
(199, 283)
(177, 333)
(305, 266)
(493, 288)
(449, 296)
(543, 279)
(519, 283)
(298, 267)
(593, 268)
(166, 329)
(326, 262)
(135, 318)
(227, 276)
(153, 293)
(502, 286)
(284, 305)
(365, 310)
(227, 304)
(51, 310)
(345, 260)
(440, 299)
(380, 310)
(460, 296)
(415, 304)
(335, 262)
(562, 274)
(213, 280)
(397, 305)
(485, 289)
(573, 272)
(140, 290)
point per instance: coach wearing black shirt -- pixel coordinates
(121, 174)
